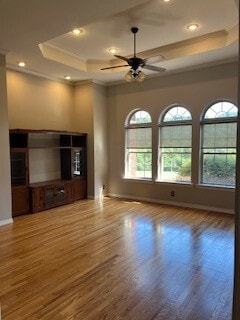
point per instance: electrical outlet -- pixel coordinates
(172, 193)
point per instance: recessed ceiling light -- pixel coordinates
(21, 64)
(67, 77)
(113, 50)
(77, 31)
(192, 26)
(166, 0)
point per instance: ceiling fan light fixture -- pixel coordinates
(140, 76)
(135, 75)
(129, 76)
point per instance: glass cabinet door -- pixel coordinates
(18, 169)
(49, 197)
(78, 162)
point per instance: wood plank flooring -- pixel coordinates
(115, 260)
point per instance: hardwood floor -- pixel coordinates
(117, 260)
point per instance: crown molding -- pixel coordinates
(38, 74)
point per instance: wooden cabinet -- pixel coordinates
(49, 194)
(20, 201)
(68, 188)
(36, 199)
(79, 189)
(19, 181)
(69, 149)
(19, 167)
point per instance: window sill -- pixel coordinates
(214, 187)
(174, 182)
(181, 184)
(141, 180)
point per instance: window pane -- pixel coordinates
(219, 150)
(139, 138)
(176, 150)
(140, 117)
(139, 164)
(222, 109)
(219, 169)
(175, 153)
(138, 146)
(219, 135)
(176, 167)
(177, 114)
(176, 136)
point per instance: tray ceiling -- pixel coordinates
(40, 35)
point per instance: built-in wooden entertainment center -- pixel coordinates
(48, 169)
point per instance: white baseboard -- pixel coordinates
(172, 203)
(4, 222)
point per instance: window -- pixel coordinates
(175, 147)
(138, 146)
(218, 151)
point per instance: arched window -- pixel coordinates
(218, 145)
(138, 145)
(175, 145)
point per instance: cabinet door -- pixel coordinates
(79, 189)
(19, 167)
(66, 164)
(37, 199)
(20, 201)
(69, 192)
(79, 162)
(49, 197)
(60, 193)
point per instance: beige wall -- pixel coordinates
(5, 180)
(100, 139)
(38, 103)
(44, 104)
(90, 116)
(83, 121)
(195, 90)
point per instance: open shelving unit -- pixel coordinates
(48, 169)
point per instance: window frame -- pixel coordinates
(206, 121)
(173, 123)
(129, 126)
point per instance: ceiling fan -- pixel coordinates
(135, 63)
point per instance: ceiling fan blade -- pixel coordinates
(124, 65)
(121, 57)
(153, 68)
(154, 59)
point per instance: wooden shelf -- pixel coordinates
(72, 157)
(49, 147)
(47, 183)
(49, 194)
